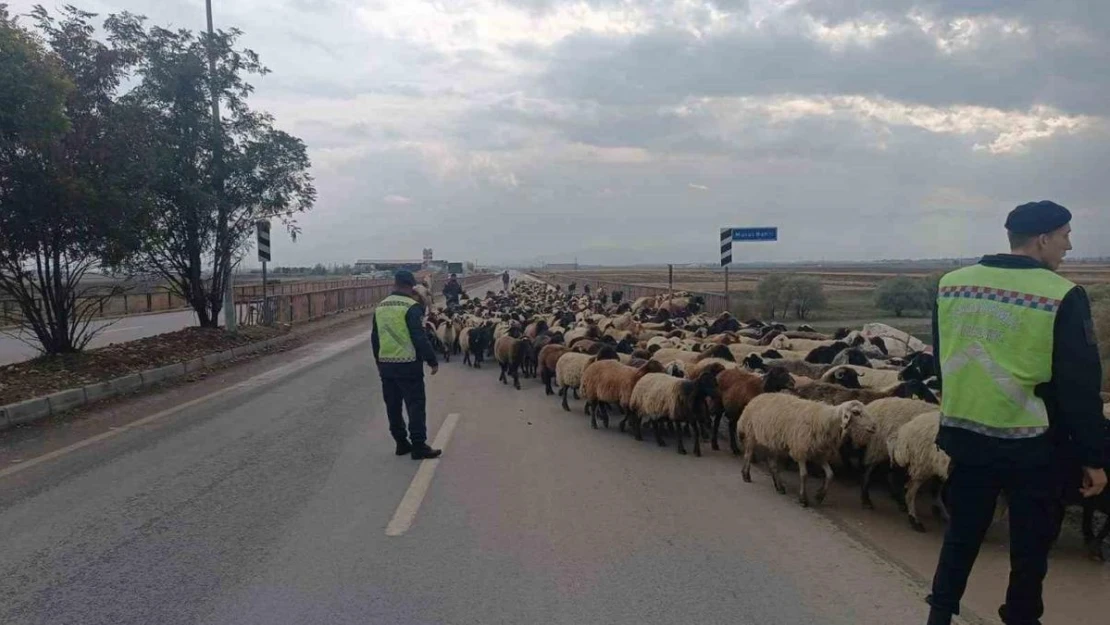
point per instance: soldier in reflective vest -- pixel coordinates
(1020, 411)
(401, 348)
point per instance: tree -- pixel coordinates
(72, 191)
(804, 294)
(210, 189)
(903, 293)
(771, 292)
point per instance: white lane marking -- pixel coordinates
(267, 377)
(414, 496)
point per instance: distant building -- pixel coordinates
(370, 266)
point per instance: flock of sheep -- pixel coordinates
(857, 400)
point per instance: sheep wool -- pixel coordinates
(913, 447)
(804, 430)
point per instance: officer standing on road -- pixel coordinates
(401, 348)
(1021, 411)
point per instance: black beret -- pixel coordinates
(404, 278)
(1037, 218)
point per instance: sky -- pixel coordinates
(630, 131)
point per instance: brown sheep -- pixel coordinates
(510, 354)
(738, 388)
(609, 381)
(548, 358)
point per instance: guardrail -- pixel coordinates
(715, 303)
(301, 307)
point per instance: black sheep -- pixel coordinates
(825, 354)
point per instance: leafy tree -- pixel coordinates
(804, 294)
(771, 292)
(903, 293)
(211, 185)
(72, 172)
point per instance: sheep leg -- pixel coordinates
(897, 488)
(637, 426)
(546, 377)
(576, 392)
(681, 435)
(911, 505)
(697, 439)
(516, 377)
(865, 487)
(466, 358)
(501, 378)
(605, 414)
(803, 494)
(733, 425)
(563, 394)
(658, 425)
(746, 470)
(716, 429)
(591, 409)
(773, 467)
(824, 490)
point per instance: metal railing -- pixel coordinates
(300, 307)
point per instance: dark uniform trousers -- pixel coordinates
(408, 391)
(1035, 515)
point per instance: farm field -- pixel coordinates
(850, 288)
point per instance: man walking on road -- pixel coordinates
(1021, 411)
(452, 290)
(505, 281)
(400, 349)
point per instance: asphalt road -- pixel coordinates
(269, 504)
(14, 346)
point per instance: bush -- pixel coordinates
(903, 293)
(772, 293)
(805, 294)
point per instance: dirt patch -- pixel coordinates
(49, 374)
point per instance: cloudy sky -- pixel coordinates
(629, 131)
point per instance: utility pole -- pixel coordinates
(222, 229)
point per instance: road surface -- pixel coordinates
(14, 345)
(270, 504)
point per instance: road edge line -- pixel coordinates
(418, 489)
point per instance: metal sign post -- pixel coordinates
(741, 235)
(263, 226)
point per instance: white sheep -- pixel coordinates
(889, 414)
(804, 430)
(660, 399)
(913, 447)
(568, 372)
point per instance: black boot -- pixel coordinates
(421, 451)
(939, 617)
(403, 448)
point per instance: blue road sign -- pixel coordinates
(755, 234)
(743, 235)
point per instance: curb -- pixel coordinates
(31, 410)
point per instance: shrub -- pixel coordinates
(903, 293)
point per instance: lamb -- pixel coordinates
(510, 353)
(737, 389)
(569, 369)
(890, 414)
(658, 397)
(474, 342)
(805, 430)
(913, 448)
(609, 381)
(549, 357)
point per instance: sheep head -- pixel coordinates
(846, 377)
(855, 422)
(777, 379)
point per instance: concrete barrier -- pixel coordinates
(126, 384)
(66, 400)
(161, 374)
(217, 358)
(27, 411)
(99, 391)
(194, 365)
